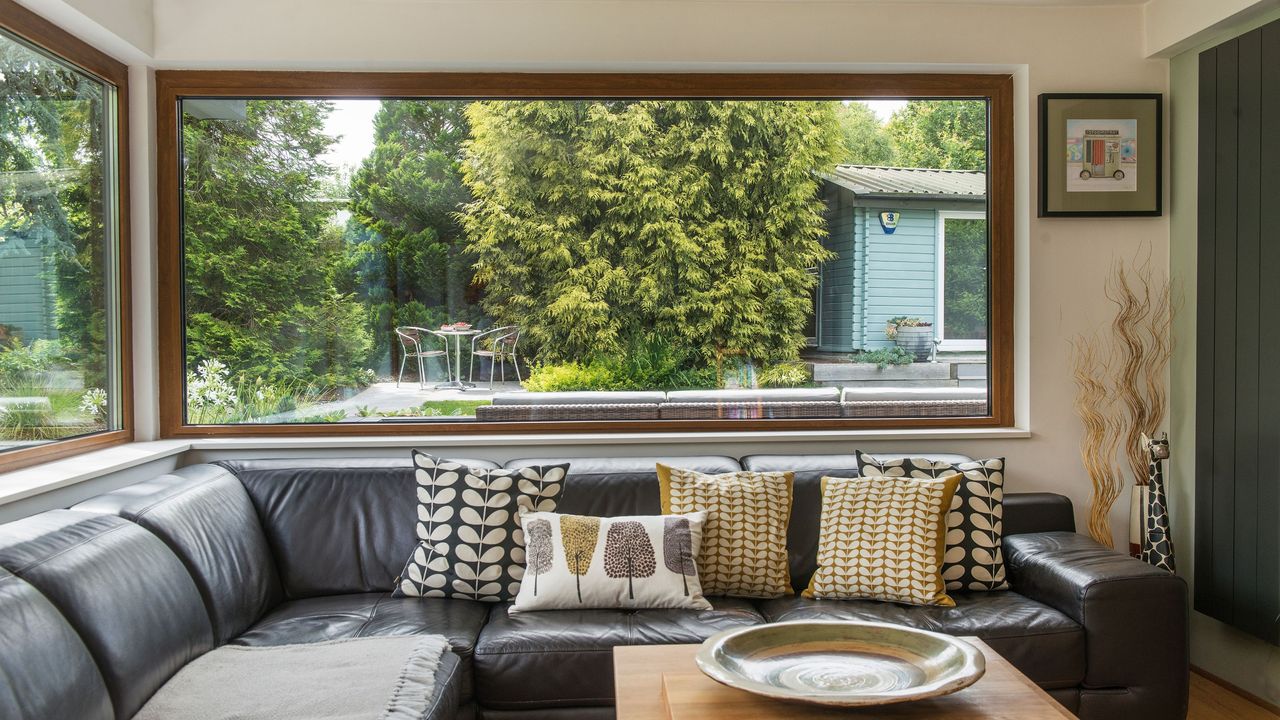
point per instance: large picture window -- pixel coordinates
(557, 258)
(62, 385)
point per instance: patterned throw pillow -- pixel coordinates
(974, 560)
(744, 543)
(470, 544)
(882, 538)
(576, 561)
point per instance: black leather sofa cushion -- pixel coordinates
(806, 502)
(336, 527)
(1046, 645)
(204, 515)
(564, 658)
(608, 487)
(1037, 512)
(127, 595)
(374, 615)
(45, 669)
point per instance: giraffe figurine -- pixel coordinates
(1157, 540)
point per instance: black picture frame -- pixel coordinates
(1055, 200)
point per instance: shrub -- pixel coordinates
(884, 357)
(565, 377)
(21, 365)
(29, 421)
(655, 363)
(784, 375)
(648, 363)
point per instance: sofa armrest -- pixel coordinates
(1134, 617)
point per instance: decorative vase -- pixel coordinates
(917, 340)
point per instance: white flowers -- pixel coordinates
(209, 386)
(94, 403)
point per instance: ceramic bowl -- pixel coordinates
(847, 664)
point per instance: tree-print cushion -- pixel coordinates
(974, 559)
(470, 543)
(580, 562)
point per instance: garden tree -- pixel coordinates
(965, 284)
(51, 143)
(597, 222)
(944, 134)
(864, 140)
(260, 253)
(413, 268)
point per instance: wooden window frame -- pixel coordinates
(48, 37)
(173, 85)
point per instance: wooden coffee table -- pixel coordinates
(645, 676)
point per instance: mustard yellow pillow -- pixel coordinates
(884, 538)
(744, 541)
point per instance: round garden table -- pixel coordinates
(457, 383)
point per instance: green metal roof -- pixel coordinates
(922, 183)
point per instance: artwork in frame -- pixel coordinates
(1101, 154)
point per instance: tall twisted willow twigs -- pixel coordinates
(1141, 328)
(1094, 404)
(1122, 392)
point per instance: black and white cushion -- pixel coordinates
(974, 559)
(470, 544)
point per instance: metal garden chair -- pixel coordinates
(499, 345)
(414, 340)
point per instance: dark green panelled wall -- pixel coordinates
(1237, 547)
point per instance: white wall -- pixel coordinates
(1174, 26)
(120, 28)
(1060, 261)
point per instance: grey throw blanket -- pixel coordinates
(391, 678)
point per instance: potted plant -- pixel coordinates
(911, 334)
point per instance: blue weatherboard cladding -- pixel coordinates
(875, 276)
(26, 291)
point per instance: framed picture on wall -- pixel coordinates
(1101, 155)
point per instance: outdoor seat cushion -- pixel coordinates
(564, 658)
(830, 394)
(644, 397)
(374, 615)
(882, 394)
(1044, 644)
(336, 527)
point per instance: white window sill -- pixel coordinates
(37, 479)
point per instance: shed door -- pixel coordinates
(962, 281)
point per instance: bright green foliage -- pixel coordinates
(966, 278)
(944, 134)
(648, 363)
(884, 357)
(597, 222)
(260, 254)
(864, 139)
(410, 252)
(784, 375)
(569, 376)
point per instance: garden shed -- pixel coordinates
(907, 242)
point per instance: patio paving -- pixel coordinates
(386, 396)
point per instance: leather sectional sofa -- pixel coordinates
(104, 602)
